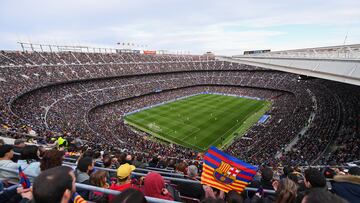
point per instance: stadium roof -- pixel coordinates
(338, 63)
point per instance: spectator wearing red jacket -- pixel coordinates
(154, 186)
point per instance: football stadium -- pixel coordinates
(200, 121)
(169, 101)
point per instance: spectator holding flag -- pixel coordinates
(53, 185)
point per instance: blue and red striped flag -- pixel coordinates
(24, 180)
(225, 172)
(76, 198)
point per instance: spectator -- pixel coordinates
(322, 196)
(181, 168)
(7, 194)
(82, 174)
(265, 181)
(6, 154)
(123, 179)
(52, 158)
(54, 185)
(331, 170)
(194, 190)
(286, 191)
(233, 197)
(99, 179)
(348, 186)
(213, 193)
(286, 171)
(19, 145)
(31, 161)
(138, 161)
(314, 179)
(107, 161)
(130, 196)
(154, 186)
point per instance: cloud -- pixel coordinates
(224, 27)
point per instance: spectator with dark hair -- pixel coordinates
(154, 161)
(30, 162)
(322, 196)
(130, 196)
(19, 145)
(82, 173)
(313, 179)
(30, 153)
(285, 189)
(51, 158)
(233, 197)
(265, 181)
(123, 175)
(154, 186)
(286, 171)
(6, 154)
(84, 166)
(181, 168)
(106, 161)
(54, 185)
(138, 161)
(331, 170)
(348, 186)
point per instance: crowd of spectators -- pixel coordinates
(84, 96)
(57, 182)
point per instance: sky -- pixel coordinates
(225, 27)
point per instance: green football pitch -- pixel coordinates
(200, 121)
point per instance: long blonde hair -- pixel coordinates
(287, 191)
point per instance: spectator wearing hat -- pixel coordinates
(348, 186)
(124, 182)
(6, 154)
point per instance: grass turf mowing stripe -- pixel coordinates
(200, 121)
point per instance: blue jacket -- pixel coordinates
(347, 187)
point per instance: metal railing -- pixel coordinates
(150, 199)
(177, 179)
(139, 170)
(97, 189)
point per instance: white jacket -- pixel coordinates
(4, 175)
